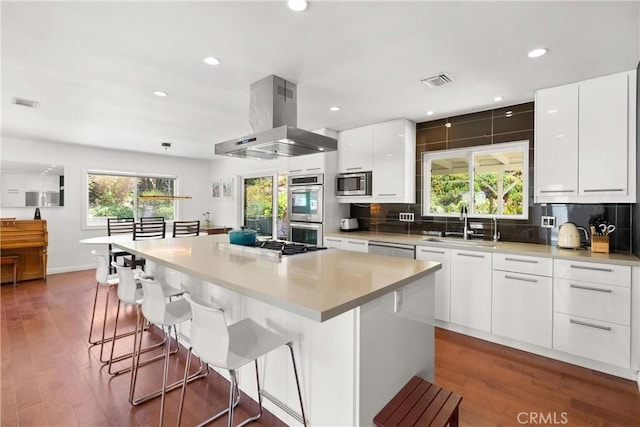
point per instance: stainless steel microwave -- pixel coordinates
(353, 184)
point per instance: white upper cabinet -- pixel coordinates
(393, 153)
(585, 141)
(556, 149)
(604, 137)
(42, 183)
(388, 150)
(355, 150)
(311, 163)
(13, 188)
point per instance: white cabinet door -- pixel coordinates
(443, 278)
(335, 242)
(13, 187)
(33, 183)
(51, 183)
(522, 307)
(355, 148)
(389, 162)
(471, 289)
(311, 163)
(556, 146)
(356, 245)
(604, 138)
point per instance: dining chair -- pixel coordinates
(152, 219)
(146, 231)
(186, 228)
(118, 226)
(231, 347)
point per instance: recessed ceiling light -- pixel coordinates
(321, 148)
(429, 113)
(211, 60)
(552, 111)
(297, 5)
(497, 98)
(536, 53)
(160, 94)
(335, 108)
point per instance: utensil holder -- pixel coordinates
(600, 244)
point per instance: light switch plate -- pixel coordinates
(548, 221)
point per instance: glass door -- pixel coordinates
(261, 199)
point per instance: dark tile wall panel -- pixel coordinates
(507, 124)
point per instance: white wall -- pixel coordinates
(65, 223)
(228, 211)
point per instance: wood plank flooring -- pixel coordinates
(51, 377)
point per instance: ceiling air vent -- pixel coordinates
(437, 80)
(25, 102)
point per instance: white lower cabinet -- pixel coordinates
(442, 307)
(603, 341)
(592, 311)
(522, 298)
(521, 307)
(471, 289)
(347, 244)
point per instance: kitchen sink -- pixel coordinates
(461, 242)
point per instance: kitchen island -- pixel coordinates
(361, 323)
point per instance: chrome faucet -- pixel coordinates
(494, 222)
(464, 217)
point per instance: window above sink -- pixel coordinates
(491, 181)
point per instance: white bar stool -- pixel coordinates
(231, 347)
(158, 311)
(129, 293)
(109, 281)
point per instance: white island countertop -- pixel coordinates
(317, 285)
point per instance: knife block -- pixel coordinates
(600, 244)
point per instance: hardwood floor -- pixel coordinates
(50, 376)
(502, 386)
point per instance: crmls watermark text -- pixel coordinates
(545, 418)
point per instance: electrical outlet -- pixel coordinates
(548, 222)
(397, 300)
(406, 216)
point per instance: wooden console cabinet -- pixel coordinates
(28, 240)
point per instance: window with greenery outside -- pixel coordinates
(496, 174)
(117, 196)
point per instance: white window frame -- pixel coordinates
(85, 190)
(469, 153)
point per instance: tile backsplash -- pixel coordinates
(513, 123)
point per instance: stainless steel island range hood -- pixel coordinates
(273, 119)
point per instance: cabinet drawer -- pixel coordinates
(593, 300)
(593, 339)
(523, 264)
(617, 275)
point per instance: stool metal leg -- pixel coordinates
(202, 372)
(126, 356)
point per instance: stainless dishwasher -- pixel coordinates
(397, 250)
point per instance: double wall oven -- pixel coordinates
(305, 208)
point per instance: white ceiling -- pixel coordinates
(93, 66)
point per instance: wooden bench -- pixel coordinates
(12, 259)
(420, 403)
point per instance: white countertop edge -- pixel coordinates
(318, 316)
